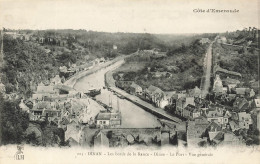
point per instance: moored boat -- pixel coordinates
(93, 92)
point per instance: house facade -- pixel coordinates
(135, 89)
(182, 103)
(155, 95)
(111, 120)
(190, 112)
(244, 120)
(217, 86)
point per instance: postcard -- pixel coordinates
(127, 81)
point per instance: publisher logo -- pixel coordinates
(19, 154)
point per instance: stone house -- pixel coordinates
(182, 103)
(154, 94)
(56, 80)
(108, 119)
(214, 132)
(135, 89)
(196, 92)
(190, 112)
(204, 40)
(196, 131)
(215, 114)
(217, 86)
(240, 104)
(241, 92)
(244, 120)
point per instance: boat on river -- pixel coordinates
(121, 96)
(93, 92)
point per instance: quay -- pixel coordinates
(110, 83)
(78, 76)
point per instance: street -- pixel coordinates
(205, 81)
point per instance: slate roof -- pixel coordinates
(195, 130)
(230, 137)
(134, 85)
(217, 68)
(37, 96)
(154, 89)
(241, 103)
(190, 108)
(229, 80)
(103, 116)
(196, 91)
(201, 120)
(218, 137)
(63, 87)
(243, 116)
(233, 125)
(72, 132)
(52, 113)
(42, 105)
(214, 127)
(169, 94)
(242, 91)
(227, 114)
(213, 113)
(257, 103)
(101, 140)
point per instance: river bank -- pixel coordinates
(130, 112)
(110, 82)
(75, 78)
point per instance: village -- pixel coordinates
(227, 115)
(126, 81)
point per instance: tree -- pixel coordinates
(202, 143)
(14, 122)
(32, 139)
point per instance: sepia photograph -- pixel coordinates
(129, 81)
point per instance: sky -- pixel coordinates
(137, 16)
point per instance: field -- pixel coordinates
(131, 66)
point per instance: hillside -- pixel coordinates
(241, 55)
(179, 68)
(25, 63)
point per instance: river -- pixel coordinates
(132, 115)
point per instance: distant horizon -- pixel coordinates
(89, 30)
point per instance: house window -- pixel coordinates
(100, 122)
(104, 122)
